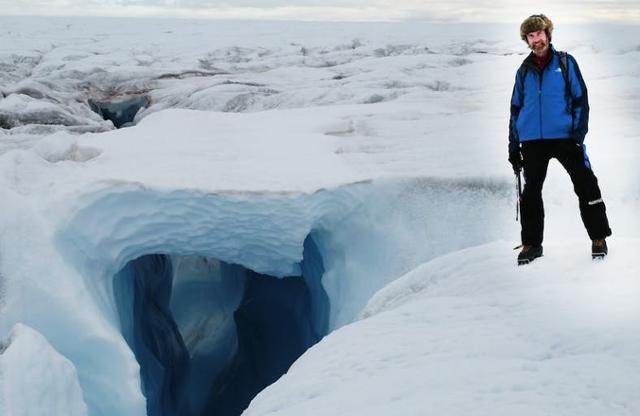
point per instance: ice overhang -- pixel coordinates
(263, 232)
(257, 236)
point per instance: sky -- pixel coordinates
(573, 11)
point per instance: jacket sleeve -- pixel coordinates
(579, 101)
(517, 97)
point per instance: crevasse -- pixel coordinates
(211, 291)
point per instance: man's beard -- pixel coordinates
(539, 46)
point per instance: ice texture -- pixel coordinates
(35, 379)
(384, 142)
(142, 291)
(471, 333)
(206, 293)
(228, 344)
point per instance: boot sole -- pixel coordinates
(522, 262)
(598, 256)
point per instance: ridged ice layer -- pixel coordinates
(264, 232)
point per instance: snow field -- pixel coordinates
(471, 333)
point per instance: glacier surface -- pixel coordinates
(268, 180)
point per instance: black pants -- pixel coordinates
(572, 156)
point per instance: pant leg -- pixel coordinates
(573, 158)
(535, 160)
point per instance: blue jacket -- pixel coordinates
(541, 105)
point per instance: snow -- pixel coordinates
(385, 142)
(471, 333)
(36, 379)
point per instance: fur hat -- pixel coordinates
(534, 23)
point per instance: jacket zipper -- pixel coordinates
(540, 101)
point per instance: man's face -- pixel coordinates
(538, 42)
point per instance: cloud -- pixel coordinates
(450, 10)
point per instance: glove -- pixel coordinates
(515, 158)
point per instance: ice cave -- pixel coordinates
(209, 335)
(120, 112)
(204, 287)
(215, 295)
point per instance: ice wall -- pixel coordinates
(274, 328)
(142, 290)
(312, 268)
(355, 228)
(355, 234)
(206, 293)
(238, 344)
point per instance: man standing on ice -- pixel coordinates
(549, 119)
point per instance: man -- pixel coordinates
(549, 119)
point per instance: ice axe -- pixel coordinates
(519, 191)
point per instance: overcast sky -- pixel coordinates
(456, 10)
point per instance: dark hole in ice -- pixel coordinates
(122, 112)
(5, 123)
(209, 336)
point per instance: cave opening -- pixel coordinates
(120, 112)
(209, 335)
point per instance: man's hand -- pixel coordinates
(515, 158)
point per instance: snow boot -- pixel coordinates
(528, 254)
(599, 249)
